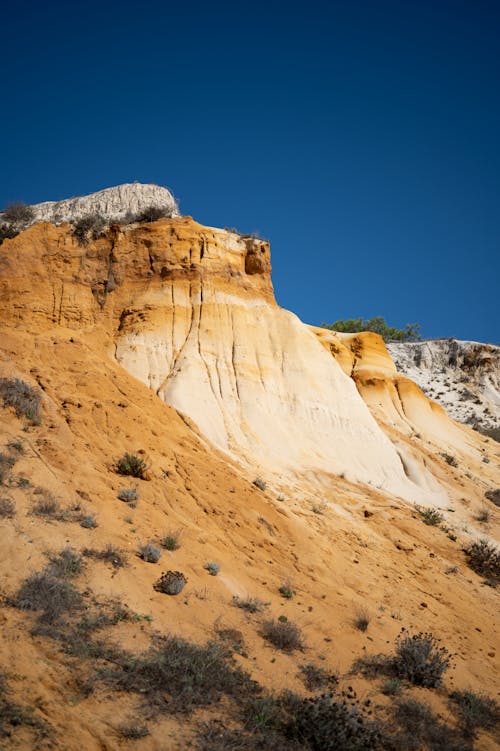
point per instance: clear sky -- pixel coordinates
(361, 137)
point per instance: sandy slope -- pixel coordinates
(341, 541)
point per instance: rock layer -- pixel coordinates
(111, 203)
(464, 377)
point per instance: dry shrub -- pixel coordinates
(22, 397)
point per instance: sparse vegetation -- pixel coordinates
(475, 711)
(22, 397)
(6, 464)
(149, 553)
(66, 564)
(286, 591)
(18, 214)
(188, 674)
(260, 483)
(133, 731)
(88, 522)
(129, 495)
(362, 619)
(420, 660)
(212, 568)
(418, 728)
(171, 583)
(316, 678)
(44, 591)
(250, 604)
(88, 228)
(48, 506)
(153, 213)
(483, 557)
(14, 716)
(16, 446)
(325, 723)
(283, 635)
(171, 541)
(7, 508)
(411, 332)
(430, 515)
(109, 554)
(449, 459)
(392, 687)
(131, 464)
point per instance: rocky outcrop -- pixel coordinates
(464, 377)
(113, 204)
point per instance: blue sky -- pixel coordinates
(360, 137)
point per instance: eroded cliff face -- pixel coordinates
(190, 312)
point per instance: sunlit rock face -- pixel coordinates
(464, 377)
(190, 312)
(112, 203)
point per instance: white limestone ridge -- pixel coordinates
(463, 377)
(112, 203)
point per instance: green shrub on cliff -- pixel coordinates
(410, 333)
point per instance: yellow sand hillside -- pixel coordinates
(165, 341)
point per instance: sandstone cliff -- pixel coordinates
(165, 340)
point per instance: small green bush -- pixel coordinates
(128, 494)
(131, 464)
(420, 660)
(22, 397)
(283, 635)
(430, 516)
(171, 541)
(149, 553)
(286, 591)
(212, 568)
(88, 521)
(483, 557)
